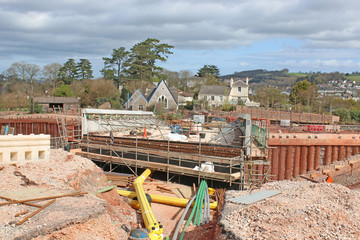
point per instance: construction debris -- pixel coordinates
(304, 210)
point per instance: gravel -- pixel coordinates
(303, 210)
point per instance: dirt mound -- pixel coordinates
(91, 216)
(303, 210)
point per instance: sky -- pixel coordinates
(234, 35)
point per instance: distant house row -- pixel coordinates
(170, 99)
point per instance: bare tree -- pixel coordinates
(26, 72)
(51, 74)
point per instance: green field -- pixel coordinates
(354, 78)
(298, 74)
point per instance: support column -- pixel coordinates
(348, 151)
(303, 159)
(310, 159)
(335, 156)
(274, 162)
(355, 150)
(317, 158)
(288, 163)
(296, 169)
(341, 153)
(327, 156)
(282, 163)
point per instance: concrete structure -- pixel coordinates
(104, 120)
(159, 97)
(65, 103)
(21, 149)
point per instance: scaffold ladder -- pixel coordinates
(62, 127)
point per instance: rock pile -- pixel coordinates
(303, 210)
(91, 216)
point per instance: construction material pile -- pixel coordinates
(91, 215)
(303, 210)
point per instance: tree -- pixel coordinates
(114, 66)
(83, 69)
(143, 58)
(303, 93)
(68, 71)
(269, 96)
(51, 74)
(63, 91)
(209, 69)
(26, 72)
(99, 90)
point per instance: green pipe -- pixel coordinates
(200, 203)
(192, 212)
(196, 208)
(202, 199)
(106, 189)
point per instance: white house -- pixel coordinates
(217, 95)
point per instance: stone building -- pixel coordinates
(65, 103)
(159, 97)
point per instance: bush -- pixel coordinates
(38, 108)
(63, 91)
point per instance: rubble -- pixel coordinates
(91, 216)
(303, 210)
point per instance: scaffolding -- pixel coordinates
(234, 165)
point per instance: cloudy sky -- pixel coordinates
(301, 35)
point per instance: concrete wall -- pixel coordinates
(21, 149)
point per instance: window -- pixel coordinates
(221, 98)
(141, 107)
(163, 100)
(239, 89)
(212, 98)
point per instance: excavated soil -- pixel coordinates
(303, 210)
(90, 216)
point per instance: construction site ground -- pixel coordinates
(303, 210)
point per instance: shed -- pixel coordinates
(65, 103)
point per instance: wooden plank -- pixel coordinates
(158, 166)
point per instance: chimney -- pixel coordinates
(247, 81)
(231, 82)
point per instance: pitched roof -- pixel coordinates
(45, 100)
(239, 83)
(155, 89)
(215, 90)
(137, 94)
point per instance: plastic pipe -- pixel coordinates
(176, 233)
(173, 201)
(154, 228)
(192, 212)
(200, 205)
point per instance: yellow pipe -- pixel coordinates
(179, 202)
(154, 228)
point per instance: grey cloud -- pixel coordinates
(39, 28)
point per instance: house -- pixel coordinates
(160, 96)
(65, 103)
(217, 95)
(184, 97)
